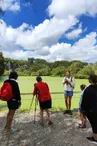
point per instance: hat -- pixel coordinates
(38, 78)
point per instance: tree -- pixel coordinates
(34, 66)
(1, 64)
(30, 61)
(61, 63)
(86, 71)
(76, 66)
(58, 71)
(44, 71)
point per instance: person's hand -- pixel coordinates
(66, 81)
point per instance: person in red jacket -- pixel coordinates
(41, 89)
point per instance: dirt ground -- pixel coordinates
(64, 131)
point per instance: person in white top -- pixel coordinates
(68, 83)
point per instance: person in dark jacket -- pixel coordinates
(41, 89)
(14, 103)
(89, 106)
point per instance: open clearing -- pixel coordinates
(64, 132)
(55, 84)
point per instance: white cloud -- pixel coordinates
(81, 50)
(74, 33)
(88, 42)
(64, 8)
(15, 7)
(18, 54)
(43, 39)
(11, 5)
(45, 34)
(85, 49)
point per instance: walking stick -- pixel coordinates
(35, 109)
(31, 103)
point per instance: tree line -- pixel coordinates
(33, 67)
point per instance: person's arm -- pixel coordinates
(19, 95)
(47, 87)
(35, 90)
(85, 99)
(81, 97)
(64, 81)
(16, 91)
(80, 101)
(71, 82)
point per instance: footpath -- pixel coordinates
(64, 132)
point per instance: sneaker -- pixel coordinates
(70, 112)
(12, 131)
(5, 128)
(65, 112)
(92, 140)
(50, 123)
(42, 123)
(81, 126)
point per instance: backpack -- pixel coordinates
(6, 92)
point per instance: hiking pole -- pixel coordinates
(35, 108)
(31, 103)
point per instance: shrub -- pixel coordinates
(81, 76)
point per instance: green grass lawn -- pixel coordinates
(26, 85)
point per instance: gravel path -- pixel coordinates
(64, 132)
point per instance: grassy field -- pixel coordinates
(26, 85)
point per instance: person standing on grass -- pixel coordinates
(14, 103)
(68, 83)
(89, 106)
(80, 113)
(41, 89)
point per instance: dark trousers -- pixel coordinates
(92, 117)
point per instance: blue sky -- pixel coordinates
(51, 30)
